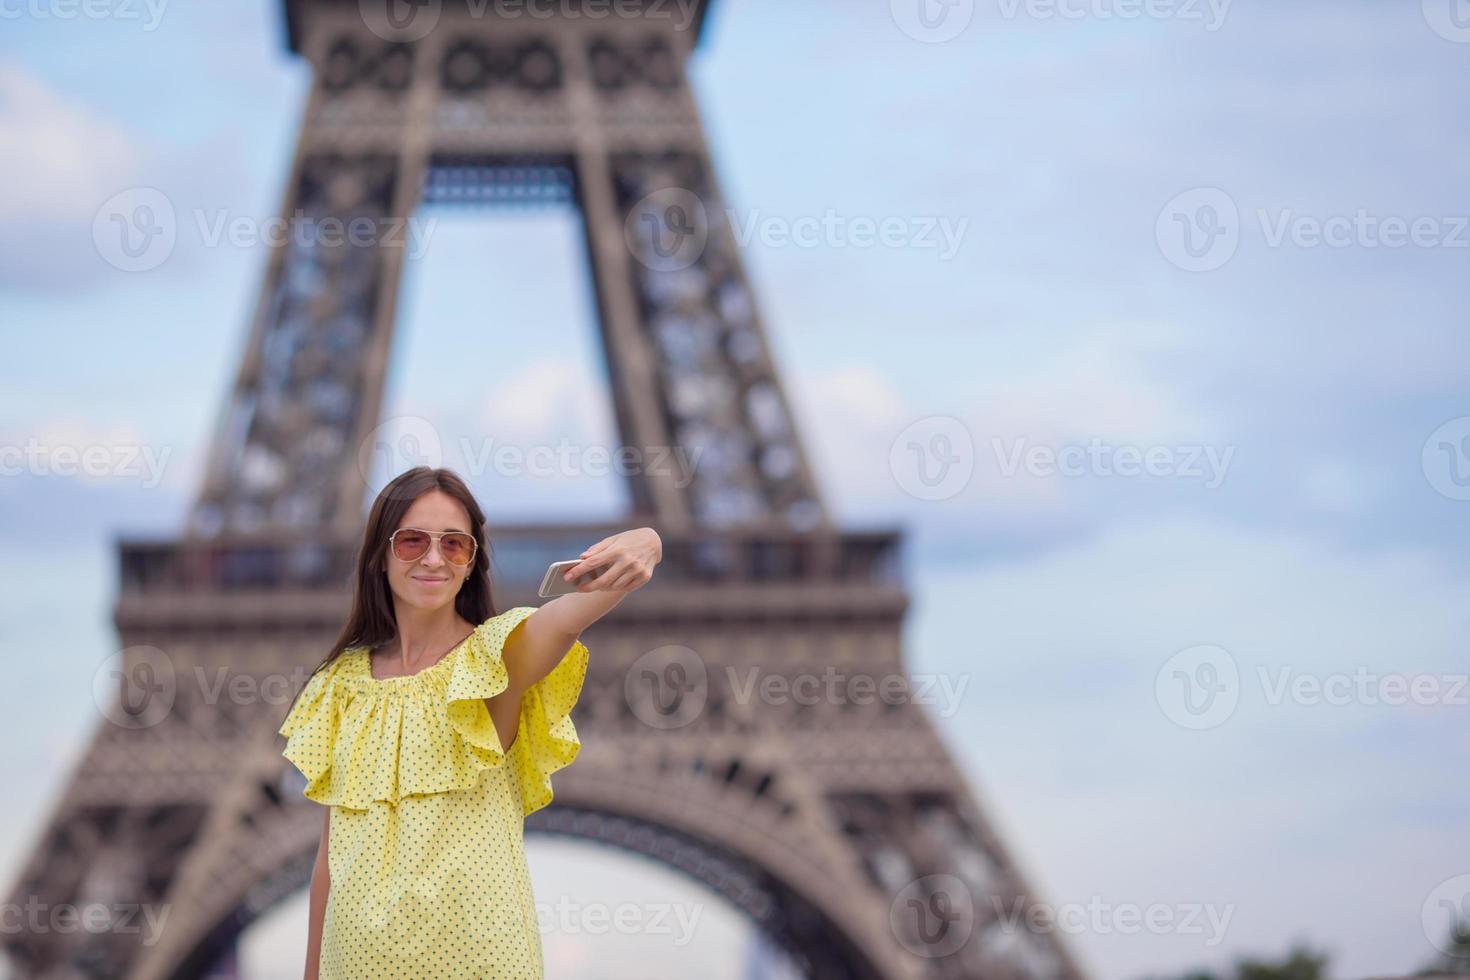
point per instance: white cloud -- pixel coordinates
(1098, 385)
(1095, 384)
(546, 400)
(61, 158)
(1340, 486)
(62, 161)
(93, 452)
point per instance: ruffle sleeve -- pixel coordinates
(546, 740)
(311, 728)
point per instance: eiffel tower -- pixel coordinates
(842, 828)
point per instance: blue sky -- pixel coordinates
(1325, 543)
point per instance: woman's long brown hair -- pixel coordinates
(370, 621)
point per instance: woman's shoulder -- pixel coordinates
(349, 656)
(500, 624)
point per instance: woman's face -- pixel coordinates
(429, 581)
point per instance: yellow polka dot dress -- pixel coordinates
(425, 853)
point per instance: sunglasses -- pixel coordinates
(412, 543)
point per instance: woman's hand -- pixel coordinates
(623, 562)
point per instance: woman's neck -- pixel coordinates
(424, 635)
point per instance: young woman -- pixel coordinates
(430, 731)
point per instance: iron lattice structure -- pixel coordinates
(842, 828)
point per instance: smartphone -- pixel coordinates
(554, 583)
